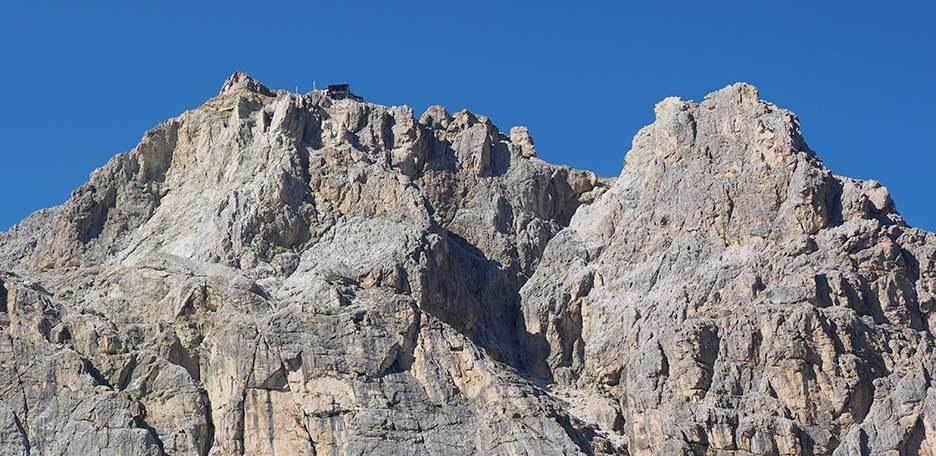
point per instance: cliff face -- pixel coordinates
(281, 274)
(730, 293)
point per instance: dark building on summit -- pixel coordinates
(341, 91)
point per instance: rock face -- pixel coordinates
(281, 274)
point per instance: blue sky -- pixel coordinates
(83, 83)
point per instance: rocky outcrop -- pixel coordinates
(274, 273)
(729, 294)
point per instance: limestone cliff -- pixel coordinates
(274, 273)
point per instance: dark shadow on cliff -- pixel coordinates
(480, 298)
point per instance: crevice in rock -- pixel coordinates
(913, 442)
(93, 371)
(91, 222)
(308, 434)
(240, 432)
(20, 384)
(185, 358)
(664, 361)
(140, 422)
(823, 291)
(581, 438)
(270, 420)
(4, 297)
(709, 350)
(405, 355)
(207, 442)
(478, 297)
(23, 434)
(125, 375)
(807, 443)
(863, 442)
(294, 365)
(834, 203)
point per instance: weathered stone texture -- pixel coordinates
(274, 273)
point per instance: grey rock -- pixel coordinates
(243, 81)
(733, 295)
(522, 141)
(274, 273)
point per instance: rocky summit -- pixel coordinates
(283, 274)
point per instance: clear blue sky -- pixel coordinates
(82, 84)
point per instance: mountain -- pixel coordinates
(275, 273)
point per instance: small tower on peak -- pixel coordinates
(341, 91)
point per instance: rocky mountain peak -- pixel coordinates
(280, 161)
(243, 81)
(275, 273)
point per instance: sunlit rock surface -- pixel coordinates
(274, 273)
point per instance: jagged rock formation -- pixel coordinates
(281, 274)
